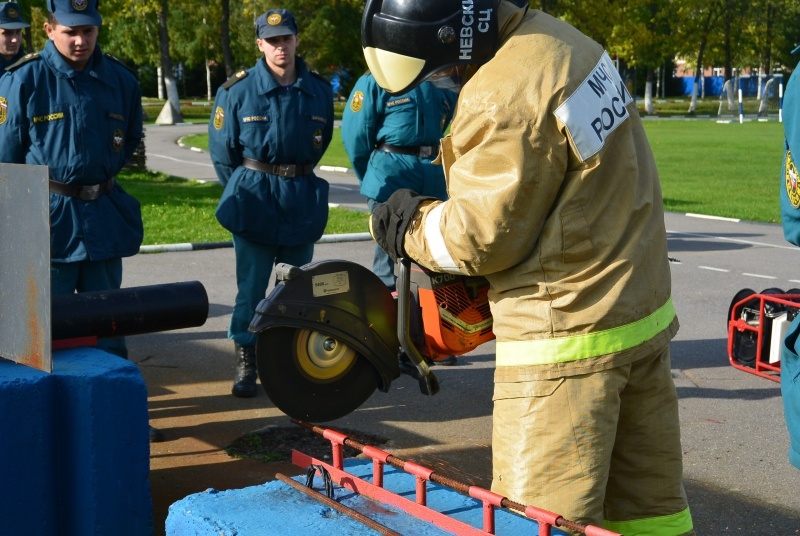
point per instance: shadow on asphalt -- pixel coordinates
(743, 516)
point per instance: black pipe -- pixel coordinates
(129, 311)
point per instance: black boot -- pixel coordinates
(156, 435)
(244, 386)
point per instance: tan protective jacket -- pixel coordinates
(555, 199)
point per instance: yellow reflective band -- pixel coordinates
(566, 349)
(670, 525)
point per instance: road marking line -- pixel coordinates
(760, 276)
(707, 217)
(179, 160)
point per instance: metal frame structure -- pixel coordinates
(418, 508)
(739, 324)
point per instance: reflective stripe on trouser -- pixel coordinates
(595, 447)
(253, 269)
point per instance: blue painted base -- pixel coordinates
(276, 508)
(74, 447)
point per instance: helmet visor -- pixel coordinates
(393, 72)
(405, 41)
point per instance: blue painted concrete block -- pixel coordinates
(276, 508)
(75, 445)
(27, 437)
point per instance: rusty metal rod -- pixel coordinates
(358, 516)
(439, 479)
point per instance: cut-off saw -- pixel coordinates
(330, 333)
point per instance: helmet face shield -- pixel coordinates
(393, 71)
(405, 41)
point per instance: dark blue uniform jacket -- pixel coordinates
(85, 125)
(417, 118)
(790, 215)
(258, 118)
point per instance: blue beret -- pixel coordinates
(75, 12)
(274, 23)
(11, 17)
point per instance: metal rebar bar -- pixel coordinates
(439, 479)
(358, 516)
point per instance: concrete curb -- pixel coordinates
(335, 169)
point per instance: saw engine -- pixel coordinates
(330, 333)
(450, 313)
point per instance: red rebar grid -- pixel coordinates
(489, 500)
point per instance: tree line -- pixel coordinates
(218, 36)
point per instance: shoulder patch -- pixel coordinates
(357, 101)
(119, 61)
(241, 75)
(23, 60)
(595, 109)
(792, 180)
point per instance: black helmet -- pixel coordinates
(406, 41)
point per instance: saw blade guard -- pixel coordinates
(326, 339)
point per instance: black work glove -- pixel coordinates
(389, 220)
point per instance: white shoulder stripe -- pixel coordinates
(435, 240)
(596, 108)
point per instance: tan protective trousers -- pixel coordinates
(595, 447)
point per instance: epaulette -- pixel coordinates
(315, 73)
(117, 60)
(23, 60)
(241, 75)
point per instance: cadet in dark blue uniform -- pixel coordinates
(79, 112)
(11, 26)
(392, 142)
(271, 125)
(790, 215)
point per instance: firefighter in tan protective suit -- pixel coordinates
(555, 199)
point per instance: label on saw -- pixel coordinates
(327, 284)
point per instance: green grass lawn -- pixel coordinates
(729, 170)
(334, 156)
(178, 211)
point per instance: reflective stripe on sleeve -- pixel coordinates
(566, 349)
(435, 240)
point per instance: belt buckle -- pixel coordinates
(286, 170)
(90, 193)
(425, 151)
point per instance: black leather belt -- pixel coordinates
(423, 151)
(87, 193)
(282, 170)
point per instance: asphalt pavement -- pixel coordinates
(737, 475)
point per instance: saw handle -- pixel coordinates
(428, 382)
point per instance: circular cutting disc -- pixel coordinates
(312, 376)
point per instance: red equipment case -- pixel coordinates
(757, 324)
